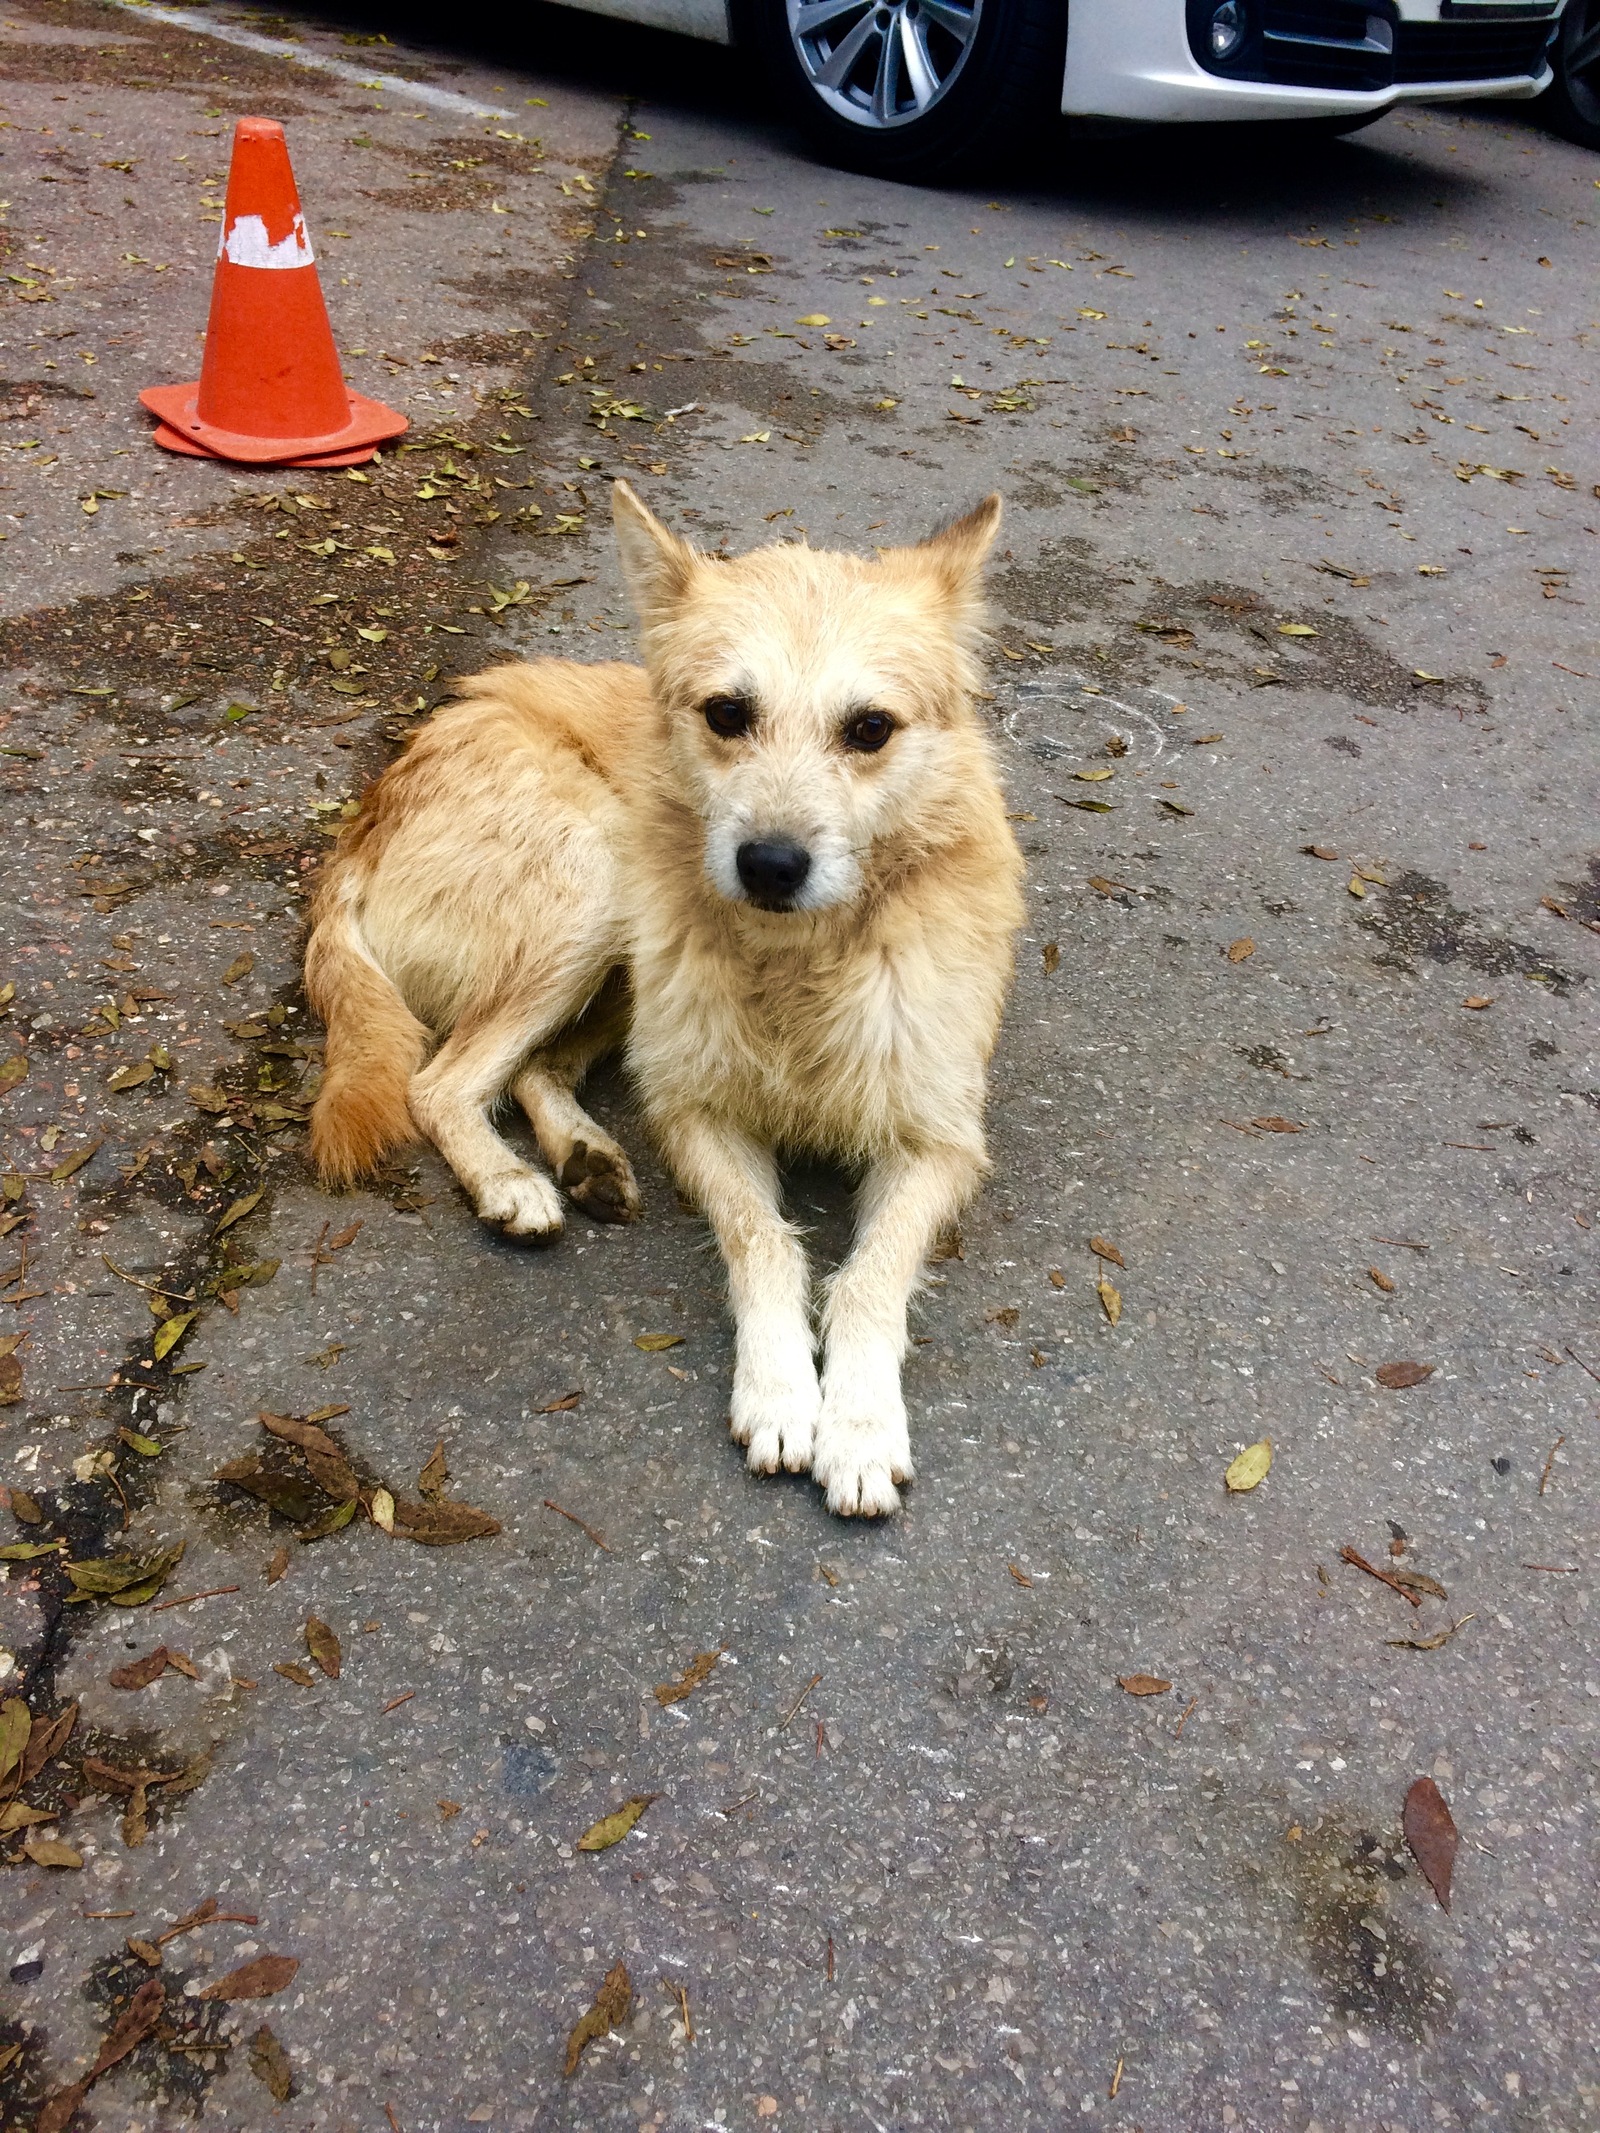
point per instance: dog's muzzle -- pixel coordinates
(773, 871)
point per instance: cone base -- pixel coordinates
(369, 425)
(172, 440)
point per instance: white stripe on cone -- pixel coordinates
(247, 244)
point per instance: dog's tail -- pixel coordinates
(375, 1045)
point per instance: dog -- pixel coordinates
(776, 864)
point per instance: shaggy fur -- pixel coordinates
(563, 836)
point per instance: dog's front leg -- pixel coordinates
(775, 1394)
(863, 1443)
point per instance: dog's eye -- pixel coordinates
(729, 716)
(868, 733)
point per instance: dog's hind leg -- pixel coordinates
(775, 1394)
(863, 1444)
(588, 1163)
(450, 1100)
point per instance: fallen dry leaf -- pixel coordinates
(278, 1565)
(16, 1724)
(238, 1211)
(140, 2017)
(292, 1670)
(1478, 999)
(1143, 1684)
(46, 1741)
(1251, 1467)
(1398, 1377)
(435, 1474)
(1380, 1280)
(1414, 1581)
(1110, 1300)
(1319, 851)
(139, 1673)
(269, 2062)
(1239, 951)
(700, 1669)
(124, 1580)
(17, 1814)
(612, 1828)
(330, 1469)
(257, 1980)
(1430, 1831)
(1275, 1124)
(1430, 1644)
(323, 1646)
(1104, 1249)
(611, 2004)
(240, 967)
(654, 1343)
(1051, 958)
(441, 1524)
(170, 1332)
(381, 1510)
(50, 1851)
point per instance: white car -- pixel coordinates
(920, 88)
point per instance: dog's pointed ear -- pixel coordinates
(655, 564)
(957, 552)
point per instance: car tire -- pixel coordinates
(1572, 102)
(966, 86)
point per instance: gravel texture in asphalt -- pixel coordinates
(1293, 686)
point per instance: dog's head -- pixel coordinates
(818, 705)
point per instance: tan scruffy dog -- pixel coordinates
(785, 837)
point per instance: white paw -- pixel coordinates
(522, 1202)
(777, 1421)
(863, 1448)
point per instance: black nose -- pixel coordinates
(773, 870)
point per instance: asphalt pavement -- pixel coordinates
(1293, 685)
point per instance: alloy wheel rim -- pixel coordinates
(882, 63)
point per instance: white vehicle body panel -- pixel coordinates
(1130, 59)
(706, 19)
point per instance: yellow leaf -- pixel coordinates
(170, 1332)
(1241, 950)
(612, 1828)
(1250, 1468)
(653, 1343)
(814, 318)
(1297, 629)
(1356, 885)
(1110, 1300)
(1093, 777)
(50, 1851)
(238, 1211)
(756, 437)
(383, 1510)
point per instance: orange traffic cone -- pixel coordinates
(270, 391)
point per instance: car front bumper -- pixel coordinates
(1132, 59)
